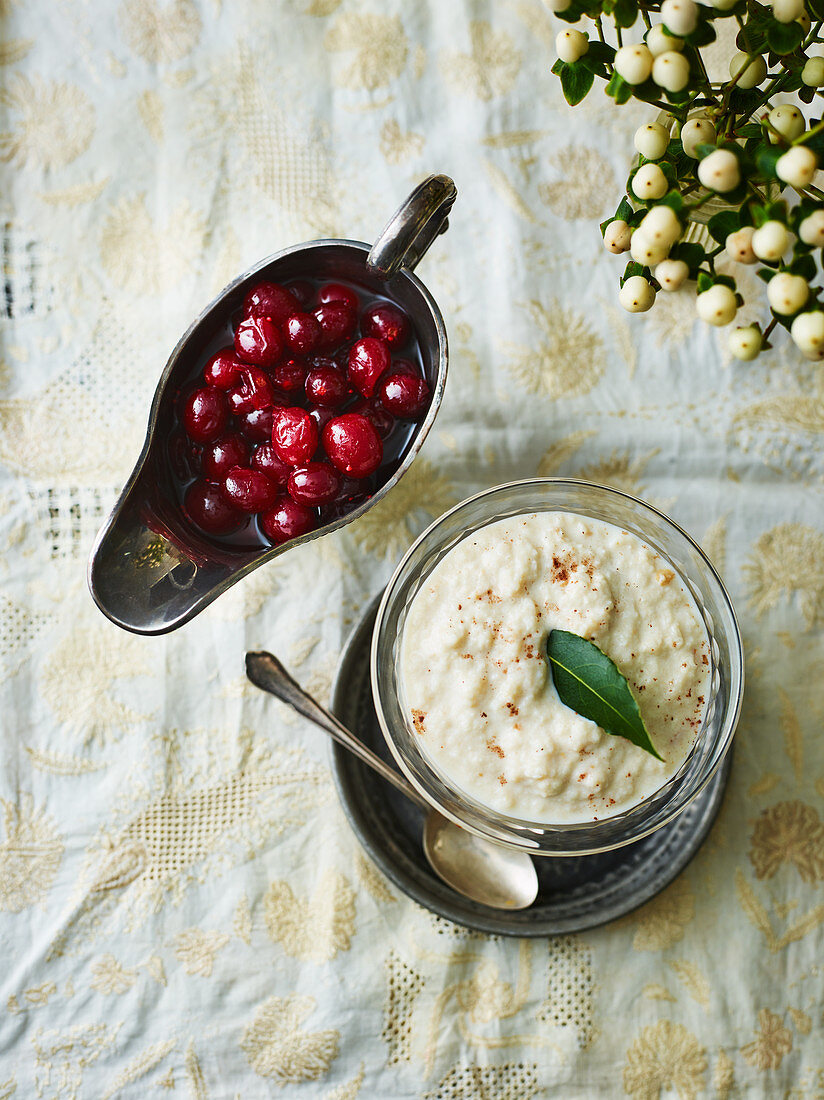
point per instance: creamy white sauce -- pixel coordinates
(475, 678)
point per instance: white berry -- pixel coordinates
(797, 167)
(745, 343)
(695, 132)
(647, 252)
(617, 237)
(807, 332)
(651, 140)
(770, 241)
(805, 23)
(813, 72)
(787, 11)
(671, 71)
(680, 16)
(571, 45)
(633, 63)
(787, 294)
(811, 230)
(723, 5)
(557, 5)
(787, 120)
(660, 42)
(637, 294)
(717, 306)
(739, 245)
(753, 73)
(671, 274)
(661, 224)
(720, 171)
(649, 182)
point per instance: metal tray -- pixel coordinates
(575, 893)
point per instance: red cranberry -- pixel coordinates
(386, 322)
(294, 436)
(373, 410)
(256, 426)
(249, 490)
(404, 395)
(302, 333)
(353, 444)
(314, 484)
(223, 369)
(340, 359)
(258, 341)
(326, 386)
(207, 508)
(266, 460)
(254, 391)
(322, 416)
(228, 451)
(287, 520)
(302, 291)
(269, 300)
(368, 359)
(337, 292)
(405, 366)
(205, 414)
(337, 323)
(290, 376)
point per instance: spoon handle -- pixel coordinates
(266, 672)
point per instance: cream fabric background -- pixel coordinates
(183, 909)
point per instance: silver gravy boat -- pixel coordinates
(150, 571)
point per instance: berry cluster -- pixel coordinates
(290, 425)
(723, 142)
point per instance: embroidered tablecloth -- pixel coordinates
(183, 908)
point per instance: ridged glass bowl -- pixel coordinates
(697, 574)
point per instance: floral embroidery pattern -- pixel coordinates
(490, 67)
(772, 1041)
(566, 361)
(54, 122)
(30, 854)
(278, 1048)
(316, 929)
(379, 46)
(665, 1056)
(789, 832)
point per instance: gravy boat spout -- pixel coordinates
(150, 569)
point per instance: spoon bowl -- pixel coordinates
(487, 873)
(150, 570)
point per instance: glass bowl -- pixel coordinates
(695, 571)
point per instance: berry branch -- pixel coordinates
(722, 153)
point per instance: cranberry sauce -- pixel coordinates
(298, 411)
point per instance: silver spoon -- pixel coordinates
(485, 872)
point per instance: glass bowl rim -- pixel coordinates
(502, 822)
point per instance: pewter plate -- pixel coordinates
(575, 893)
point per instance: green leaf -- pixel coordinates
(766, 273)
(806, 95)
(576, 81)
(632, 268)
(625, 12)
(803, 266)
(766, 160)
(589, 683)
(704, 281)
(783, 37)
(721, 225)
(692, 255)
(600, 51)
(703, 34)
(618, 88)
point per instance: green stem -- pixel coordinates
(645, 17)
(770, 327)
(809, 133)
(600, 28)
